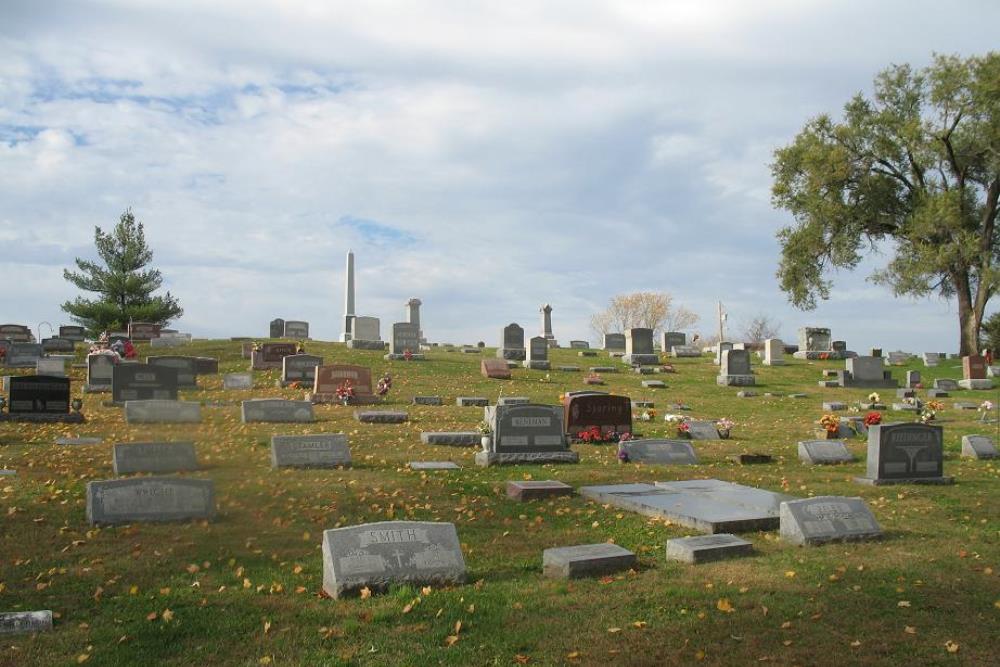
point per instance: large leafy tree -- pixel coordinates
(123, 283)
(914, 169)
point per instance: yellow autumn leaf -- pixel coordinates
(790, 573)
(366, 593)
(267, 627)
(450, 640)
(951, 646)
(82, 658)
(724, 605)
(167, 615)
(910, 630)
(903, 603)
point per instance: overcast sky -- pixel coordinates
(484, 157)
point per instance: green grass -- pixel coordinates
(259, 566)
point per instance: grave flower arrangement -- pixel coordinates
(646, 415)
(684, 429)
(384, 385)
(724, 425)
(873, 419)
(407, 354)
(929, 411)
(830, 423)
(484, 427)
(985, 409)
(874, 397)
(345, 392)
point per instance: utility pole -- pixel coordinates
(722, 318)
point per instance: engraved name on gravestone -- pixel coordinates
(330, 377)
(206, 365)
(270, 355)
(512, 348)
(158, 411)
(23, 355)
(376, 555)
(149, 499)
(320, 450)
(136, 382)
(405, 336)
(827, 519)
(100, 369)
(73, 333)
(978, 447)
(659, 451)
(237, 381)
(186, 367)
(824, 452)
(300, 368)
(607, 412)
(905, 452)
(38, 394)
(296, 329)
(276, 410)
(155, 457)
(528, 428)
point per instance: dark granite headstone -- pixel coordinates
(608, 412)
(38, 394)
(137, 382)
(905, 453)
(186, 367)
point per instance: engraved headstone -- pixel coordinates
(74, 333)
(186, 367)
(978, 447)
(299, 368)
(672, 338)
(237, 381)
(405, 336)
(320, 450)
(434, 465)
(23, 355)
(38, 395)
(774, 351)
(527, 434)
(512, 348)
(824, 452)
(270, 355)
(495, 369)
(377, 555)
(974, 367)
(611, 414)
(945, 384)
(277, 329)
(639, 347)
(381, 416)
(17, 333)
(143, 331)
(136, 382)
(331, 377)
(149, 499)
(50, 366)
(734, 369)
(155, 457)
(706, 548)
(614, 342)
(296, 329)
(276, 410)
(905, 453)
(156, 411)
(822, 519)
(57, 345)
(451, 438)
(655, 451)
(702, 430)
(538, 354)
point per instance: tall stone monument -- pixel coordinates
(413, 316)
(348, 297)
(546, 312)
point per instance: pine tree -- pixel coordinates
(124, 285)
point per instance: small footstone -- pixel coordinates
(979, 385)
(751, 459)
(707, 548)
(427, 400)
(537, 489)
(834, 406)
(603, 369)
(965, 405)
(568, 369)
(433, 465)
(745, 394)
(513, 400)
(644, 404)
(937, 393)
(797, 395)
(978, 447)
(586, 560)
(472, 401)
(454, 438)
(380, 416)
(654, 384)
(78, 441)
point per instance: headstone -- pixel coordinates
(586, 560)
(434, 465)
(912, 378)
(931, 359)
(639, 347)
(319, 450)
(495, 369)
(137, 382)
(50, 366)
(707, 548)
(270, 355)
(25, 622)
(735, 369)
(23, 355)
(823, 452)
(672, 338)
(538, 354)
(330, 377)
(237, 381)
(710, 505)
(374, 556)
(614, 342)
(905, 453)
(405, 336)
(57, 345)
(276, 410)
(277, 328)
(654, 384)
(945, 384)
(815, 343)
(38, 398)
(653, 451)
(162, 412)
(154, 457)
(702, 430)
(472, 401)
(978, 447)
(525, 490)
(381, 416)
(299, 368)
(17, 333)
(512, 346)
(186, 367)
(611, 414)
(143, 331)
(367, 329)
(73, 333)
(296, 329)
(527, 434)
(867, 372)
(451, 438)
(973, 367)
(206, 365)
(427, 400)
(822, 519)
(774, 351)
(140, 499)
(937, 393)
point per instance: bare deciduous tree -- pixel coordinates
(759, 329)
(652, 310)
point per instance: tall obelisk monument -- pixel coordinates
(348, 297)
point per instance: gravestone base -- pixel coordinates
(41, 418)
(537, 365)
(402, 357)
(641, 359)
(685, 351)
(735, 380)
(365, 344)
(979, 385)
(486, 459)
(512, 354)
(708, 548)
(910, 480)
(452, 438)
(472, 401)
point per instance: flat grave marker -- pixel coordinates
(319, 450)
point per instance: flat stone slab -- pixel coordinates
(78, 441)
(568, 369)
(979, 447)
(513, 400)
(514, 458)
(822, 519)
(978, 385)
(427, 400)
(603, 369)
(904, 407)
(965, 405)
(710, 506)
(377, 555)
(162, 412)
(824, 452)
(381, 416)
(586, 560)
(706, 548)
(4, 472)
(319, 450)
(736, 380)
(155, 457)
(937, 393)
(702, 430)
(536, 365)
(946, 384)
(434, 465)
(276, 410)
(472, 401)
(657, 451)
(453, 438)
(139, 499)
(746, 394)
(834, 406)
(644, 404)
(524, 490)
(25, 622)
(751, 459)
(587, 353)
(237, 381)
(654, 384)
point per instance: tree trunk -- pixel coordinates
(968, 322)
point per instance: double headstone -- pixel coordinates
(276, 410)
(23, 355)
(39, 398)
(186, 367)
(610, 414)
(296, 329)
(866, 372)
(299, 368)
(658, 451)
(330, 378)
(816, 343)
(905, 453)
(138, 382)
(270, 355)
(405, 341)
(321, 450)
(149, 499)
(527, 433)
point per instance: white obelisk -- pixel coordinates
(349, 297)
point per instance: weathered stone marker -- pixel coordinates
(524, 490)
(276, 410)
(321, 450)
(705, 548)
(823, 519)
(156, 457)
(149, 499)
(905, 453)
(586, 560)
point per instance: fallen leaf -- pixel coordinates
(910, 630)
(724, 605)
(167, 615)
(614, 630)
(82, 658)
(366, 593)
(790, 573)
(450, 640)
(951, 646)
(903, 603)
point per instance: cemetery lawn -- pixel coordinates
(245, 589)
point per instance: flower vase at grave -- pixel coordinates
(486, 440)
(724, 433)
(824, 434)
